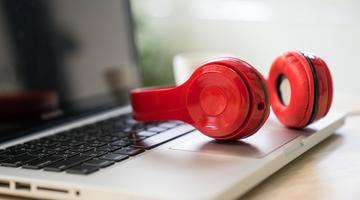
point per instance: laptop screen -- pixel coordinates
(63, 59)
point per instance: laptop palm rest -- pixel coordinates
(270, 137)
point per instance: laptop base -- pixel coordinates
(190, 167)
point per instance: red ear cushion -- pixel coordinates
(297, 70)
(324, 82)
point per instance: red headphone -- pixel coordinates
(226, 98)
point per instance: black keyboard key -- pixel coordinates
(108, 139)
(11, 154)
(64, 139)
(50, 144)
(103, 134)
(35, 149)
(57, 149)
(18, 146)
(33, 146)
(38, 143)
(29, 150)
(129, 151)
(85, 149)
(72, 143)
(94, 132)
(82, 169)
(121, 143)
(94, 153)
(119, 134)
(108, 148)
(76, 143)
(78, 136)
(114, 157)
(65, 164)
(133, 138)
(88, 138)
(42, 162)
(99, 163)
(41, 153)
(66, 154)
(4, 153)
(18, 161)
(91, 144)
(164, 137)
(2, 159)
(107, 127)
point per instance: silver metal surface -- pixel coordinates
(270, 137)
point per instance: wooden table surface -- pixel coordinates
(330, 170)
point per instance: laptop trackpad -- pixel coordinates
(270, 137)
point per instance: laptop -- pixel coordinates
(66, 129)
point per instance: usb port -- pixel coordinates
(22, 186)
(4, 184)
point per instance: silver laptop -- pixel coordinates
(66, 130)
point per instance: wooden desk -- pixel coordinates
(330, 170)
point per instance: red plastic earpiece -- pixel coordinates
(311, 88)
(225, 99)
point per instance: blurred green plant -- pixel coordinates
(155, 62)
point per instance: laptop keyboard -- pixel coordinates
(86, 149)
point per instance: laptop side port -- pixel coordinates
(4, 184)
(22, 186)
(52, 189)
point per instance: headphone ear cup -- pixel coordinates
(225, 98)
(310, 88)
(250, 107)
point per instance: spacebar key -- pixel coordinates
(163, 137)
(69, 162)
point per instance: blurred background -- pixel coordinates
(256, 31)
